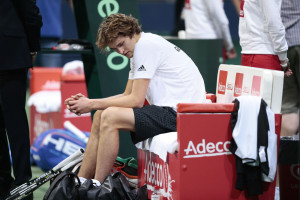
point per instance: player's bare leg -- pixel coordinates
(87, 169)
(113, 119)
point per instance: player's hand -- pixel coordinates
(286, 68)
(288, 72)
(72, 98)
(231, 53)
(80, 106)
(33, 56)
(78, 96)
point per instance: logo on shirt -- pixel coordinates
(142, 68)
(177, 48)
(187, 4)
(242, 8)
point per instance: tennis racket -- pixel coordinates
(27, 188)
(69, 126)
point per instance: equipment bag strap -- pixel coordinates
(58, 179)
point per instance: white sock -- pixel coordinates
(82, 180)
(96, 182)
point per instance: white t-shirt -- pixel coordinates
(206, 19)
(174, 76)
(260, 28)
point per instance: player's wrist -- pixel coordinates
(285, 64)
(94, 104)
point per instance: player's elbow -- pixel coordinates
(138, 103)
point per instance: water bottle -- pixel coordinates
(65, 46)
(156, 195)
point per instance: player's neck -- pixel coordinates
(137, 37)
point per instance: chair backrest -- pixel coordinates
(236, 80)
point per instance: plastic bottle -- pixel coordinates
(65, 46)
(156, 195)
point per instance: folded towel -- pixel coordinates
(160, 144)
(46, 101)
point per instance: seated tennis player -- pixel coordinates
(159, 71)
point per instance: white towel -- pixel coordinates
(272, 147)
(245, 135)
(46, 101)
(160, 144)
(245, 130)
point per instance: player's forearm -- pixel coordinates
(125, 101)
(113, 97)
(227, 37)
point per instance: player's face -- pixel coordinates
(124, 45)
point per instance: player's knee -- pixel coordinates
(109, 117)
(96, 122)
(97, 116)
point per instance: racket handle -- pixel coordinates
(69, 126)
(72, 163)
(66, 161)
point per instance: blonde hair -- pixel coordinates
(114, 26)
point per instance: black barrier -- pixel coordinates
(289, 169)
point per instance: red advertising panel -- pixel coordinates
(256, 83)
(203, 168)
(238, 85)
(153, 171)
(222, 82)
